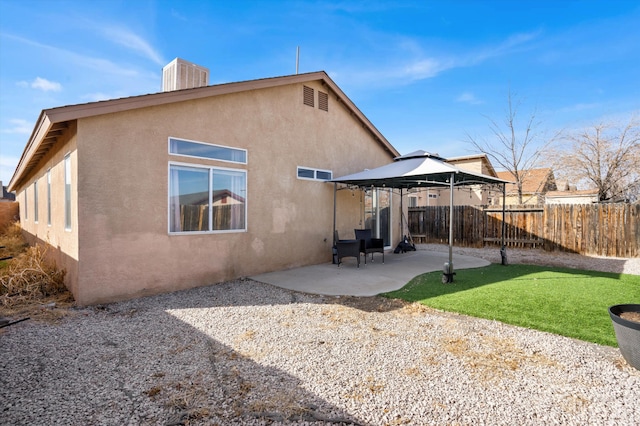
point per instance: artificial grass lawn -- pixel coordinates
(569, 302)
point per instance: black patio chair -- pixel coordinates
(347, 248)
(368, 244)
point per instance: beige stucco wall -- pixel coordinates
(122, 160)
(63, 250)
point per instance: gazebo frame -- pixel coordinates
(421, 169)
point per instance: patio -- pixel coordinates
(369, 280)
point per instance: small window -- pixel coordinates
(49, 197)
(306, 173)
(35, 201)
(322, 175)
(314, 174)
(307, 96)
(433, 195)
(67, 192)
(205, 150)
(323, 101)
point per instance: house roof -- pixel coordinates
(577, 193)
(534, 180)
(482, 157)
(52, 123)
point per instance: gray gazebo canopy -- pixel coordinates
(421, 169)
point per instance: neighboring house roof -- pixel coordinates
(52, 123)
(577, 193)
(535, 181)
(483, 158)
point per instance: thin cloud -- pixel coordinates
(46, 85)
(130, 40)
(469, 98)
(178, 15)
(18, 126)
(422, 68)
(97, 64)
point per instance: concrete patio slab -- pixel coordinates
(369, 280)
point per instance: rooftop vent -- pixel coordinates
(180, 74)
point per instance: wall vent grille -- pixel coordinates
(308, 96)
(323, 101)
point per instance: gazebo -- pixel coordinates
(421, 169)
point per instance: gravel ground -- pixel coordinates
(248, 353)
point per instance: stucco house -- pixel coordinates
(476, 195)
(190, 187)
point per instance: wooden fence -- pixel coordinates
(599, 229)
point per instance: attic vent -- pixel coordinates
(323, 101)
(307, 96)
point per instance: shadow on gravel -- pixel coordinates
(153, 361)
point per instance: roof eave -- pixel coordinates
(50, 117)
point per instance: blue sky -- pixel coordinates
(426, 73)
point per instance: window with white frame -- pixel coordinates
(67, 192)
(209, 151)
(49, 197)
(26, 205)
(309, 173)
(35, 201)
(206, 199)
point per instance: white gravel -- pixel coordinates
(249, 353)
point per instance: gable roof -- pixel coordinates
(576, 193)
(534, 181)
(467, 158)
(52, 123)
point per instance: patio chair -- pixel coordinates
(347, 248)
(368, 244)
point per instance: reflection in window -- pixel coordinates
(205, 199)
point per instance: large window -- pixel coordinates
(67, 192)
(208, 151)
(206, 199)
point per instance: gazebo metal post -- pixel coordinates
(335, 191)
(503, 248)
(450, 268)
(401, 218)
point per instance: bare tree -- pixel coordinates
(517, 150)
(606, 156)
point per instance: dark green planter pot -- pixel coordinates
(627, 333)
